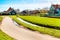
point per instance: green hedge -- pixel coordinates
(41, 29)
(52, 22)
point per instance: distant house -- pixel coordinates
(30, 12)
(35, 11)
(10, 11)
(54, 10)
(24, 12)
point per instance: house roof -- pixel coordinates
(9, 9)
(56, 6)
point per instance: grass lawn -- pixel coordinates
(1, 18)
(4, 36)
(50, 31)
(43, 21)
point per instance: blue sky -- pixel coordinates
(26, 4)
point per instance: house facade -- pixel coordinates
(54, 10)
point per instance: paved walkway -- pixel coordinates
(20, 33)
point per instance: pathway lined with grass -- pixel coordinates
(18, 33)
(4, 36)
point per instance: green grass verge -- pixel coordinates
(52, 22)
(4, 36)
(41, 29)
(1, 18)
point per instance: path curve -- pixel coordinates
(18, 33)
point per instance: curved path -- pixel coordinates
(20, 33)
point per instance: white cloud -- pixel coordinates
(54, 1)
(47, 3)
(25, 6)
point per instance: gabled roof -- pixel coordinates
(56, 6)
(10, 9)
